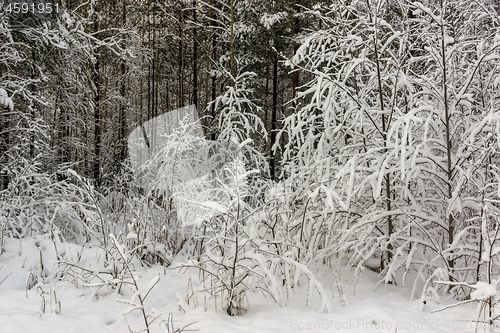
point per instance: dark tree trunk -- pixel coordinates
(195, 58)
(4, 146)
(97, 126)
(272, 164)
(214, 83)
(296, 30)
(181, 58)
(123, 105)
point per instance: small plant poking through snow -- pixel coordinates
(136, 302)
(49, 300)
(484, 293)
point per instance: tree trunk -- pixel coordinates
(123, 108)
(272, 164)
(4, 146)
(181, 58)
(449, 168)
(387, 177)
(214, 83)
(195, 59)
(296, 31)
(232, 64)
(97, 125)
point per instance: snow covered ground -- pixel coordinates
(82, 309)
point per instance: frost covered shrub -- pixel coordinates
(34, 200)
(485, 290)
(137, 220)
(339, 173)
(147, 229)
(247, 248)
(247, 245)
(392, 156)
(221, 257)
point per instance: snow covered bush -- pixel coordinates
(242, 250)
(34, 200)
(221, 256)
(485, 293)
(235, 250)
(357, 89)
(35, 124)
(239, 119)
(398, 127)
(136, 220)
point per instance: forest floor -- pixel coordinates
(385, 309)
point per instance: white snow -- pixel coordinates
(268, 20)
(5, 100)
(483, 291)
(94, 310)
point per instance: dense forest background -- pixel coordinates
(370, 132)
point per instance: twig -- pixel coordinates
(5, 278)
